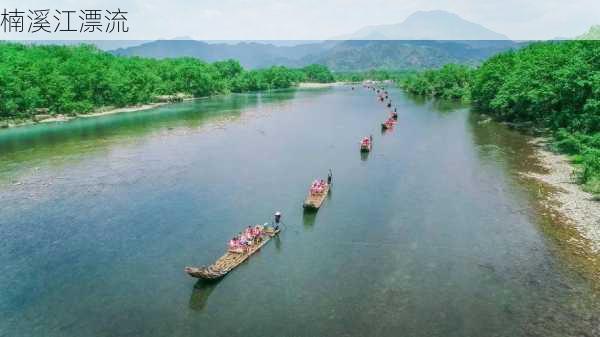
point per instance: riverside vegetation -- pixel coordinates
(549, 85)
(79, 79)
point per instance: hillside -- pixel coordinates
(338, 55)
(249, 54)
(423, 40)
(382, 54)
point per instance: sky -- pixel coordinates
(312, 19)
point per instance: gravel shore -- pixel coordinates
(571, 201)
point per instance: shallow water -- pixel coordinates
(431, 234)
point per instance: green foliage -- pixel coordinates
(375, 75)
(575, 143)
(265, 79)
(318, 73)
(590, 165)
(452, 81)
(553, 84)
(585, 152)
(79, 79)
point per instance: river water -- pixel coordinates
(431, 234)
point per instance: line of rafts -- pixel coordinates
(383, 97)
(253, 238)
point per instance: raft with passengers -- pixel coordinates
(388, 124)
(366, 143)
(241, 247)
(317, 193)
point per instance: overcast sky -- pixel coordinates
(318, 19)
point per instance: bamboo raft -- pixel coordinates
(230, 260)
(387, 125)
(314, 201)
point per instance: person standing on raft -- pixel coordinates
(329, 177)
(277, 220)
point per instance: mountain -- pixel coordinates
(249, 54)
(423, 40)
(351, 55)
(592, 34)
(427, 25)
(358, 55)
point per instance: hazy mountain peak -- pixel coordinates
(183, 37)
(434, 14)
(592, 34)
(428, 25)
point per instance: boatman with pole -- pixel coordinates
(277, 220)
(329, 177)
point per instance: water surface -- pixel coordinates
(431, 234)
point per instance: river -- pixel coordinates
(432, 234)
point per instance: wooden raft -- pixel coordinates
(229, 261)
(314, 201)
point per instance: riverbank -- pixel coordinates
(312, 85)
(104, 111)
(578, 207)
(97, 113)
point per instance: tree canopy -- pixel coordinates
(78, 79)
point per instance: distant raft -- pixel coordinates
(231, 259)
(366, 144)
(388, 124)
(316, 196)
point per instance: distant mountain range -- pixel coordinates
(423, 40)
(427, 25)
(250, 54)
(350, 55)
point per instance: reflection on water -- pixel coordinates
(385, 131)
(26, 147)
(308, 218)
(277, 241)
(364, 155)
(200, 294)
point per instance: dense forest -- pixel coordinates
(553, 85)
(452, 81)
(79, 79)
(374, 74)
